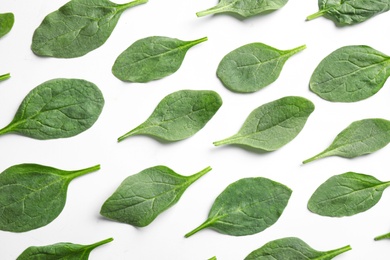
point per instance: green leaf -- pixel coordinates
(252, 67)
(359, 138)
(292, 248)
(152, 58)
(143, 196)
(213, 258)
(6, 22)
(246, 207)
(385, 236)
(346, 194)
(77, 27)
(64, 251)
(32, 195)
(348, 12)
(5, 76)
(244, 8)
(179, 115)
(57, 108)
(273, 125)
(350, 74)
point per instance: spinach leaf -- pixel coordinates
(359, 138)
(244, 8)
(346, 194)
(385, 236)
(152, 58)
(213, 258)
(6, 22)
(246, 207)
(32, 195)
(5, 76)
(57, 108)
(348, 12)
(68, 251)
(252, 67)
(143, 196)
(273, 125)
(78, 27)
(350, 74)
(292, 248)
(179, 115)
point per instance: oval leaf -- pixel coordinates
(252, 67)
(350, 11)
(292, 248)
(6, 22)
(359, 138)
(350, 74)
(78, 27)
(143, 196)
(179, 115)
(58, 108)
(32, 195)
(63, 250)
(246, 207)
(346, 195)
(244, 8)
(152, 58)
(273, 125)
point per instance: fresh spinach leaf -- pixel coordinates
(57, 108)
(78, 27)
(68, 251)
(385, 236)
(359, 138)
(32, 195)
(252, 67)
(5, 76)
(350, 74)
(213, 258)
(143, 196)
(346, 194)
(293, 248)
(152, 58)
(244, 8)
(348, 12)
(273, 125)
(246, 207)
(6, 22)
(179, 115)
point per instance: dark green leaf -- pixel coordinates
(143, 196)
(6, 22)
(246, 207)
(179, 115)
(244, 8)
(359, 138)
(273, 125)
(385, 236)
(63, 251)
(5, 76)
(152, 58)
(57, 108)
(292, 248)
(348, 12)
(346, 194)
(78, 27)
(252, 67)
(350, 74)
(32, 195)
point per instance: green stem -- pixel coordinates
(105, 241)
(385, 236)
(5, 76)
(297, 49)
(213, 258)
(316, 15)
(131, 4)
(205, 224)
(195, 42)
(229, 140)
(212, 10)
(318, 156)
(339, 251)
(197, 176)
(128, 134)
(78, 173)
(7, 129)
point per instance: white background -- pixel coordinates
(129, 104)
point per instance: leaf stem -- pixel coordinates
(339, 251)
(316, 15)
(385, 236)
(5, 76)
(212, 10)
(297, 49)
(315, 157)
(229, 140)
(6, 129)
(97, 244)
(78, 173)
(128, 134)
(199, 40)
(198, 175)
(131, 4)
(205, 224)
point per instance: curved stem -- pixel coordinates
(204, 225)
(75, 174)
(316, 15)
(131, 4)
(105, 241)
(212, 10)
(197, 175)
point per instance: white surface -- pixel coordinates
(129, 104)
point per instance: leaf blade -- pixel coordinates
(6, 23)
